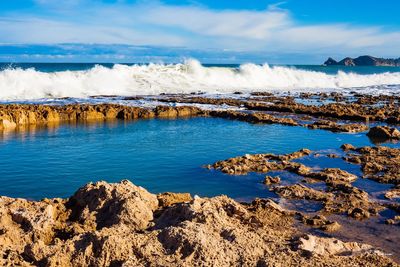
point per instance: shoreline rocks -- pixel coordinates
(384, 132)
(13, 116)
(121, 224)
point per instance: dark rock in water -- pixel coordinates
(384, 132)
(363, 61)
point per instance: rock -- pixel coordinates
(321, 222)
(352, 201)
(393, 193)
(168, 199)
(332, 155)
(262, 163)
(13, 116)
(272, 180)
(381, 163)
(123, 224)
(333, 175)
(299, 191)
(384, 132)
(347, 147)
(104, 205)
(331, 246)
(331, 227)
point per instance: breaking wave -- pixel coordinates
(191, 76)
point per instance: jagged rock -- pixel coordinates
(300, 191)
(347, 147)
(168, 199)
(393, 193)
(321, 222)
(260, 163)
(331, 246)
(12, 116)
(384, 132)
(381, 163)
(113, 225)
(104, 205)
(272, 180)
(333, 175)
(352, 201)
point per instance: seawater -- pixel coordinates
(37, 81)
(158, 154)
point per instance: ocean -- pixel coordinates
(33, 81)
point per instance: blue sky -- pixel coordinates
(291, 31)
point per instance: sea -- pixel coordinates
(35, 82)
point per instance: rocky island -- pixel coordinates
(363, 61)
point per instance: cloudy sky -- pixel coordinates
(291, 31)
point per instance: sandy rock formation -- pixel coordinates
(124, 225)
(12, 116)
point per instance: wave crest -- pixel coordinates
(188, 77)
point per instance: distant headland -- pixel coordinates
(364, 61)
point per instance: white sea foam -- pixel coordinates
(189, 77)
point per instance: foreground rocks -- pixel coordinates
(124, 225)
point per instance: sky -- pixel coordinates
(213, 31)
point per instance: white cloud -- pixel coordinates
(271, 30)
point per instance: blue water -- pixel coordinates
(55, 67)
(161, 155)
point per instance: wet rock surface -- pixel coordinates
(256, 108)
(124, 225)
(380, 163)
(384, 132)
(14, 115)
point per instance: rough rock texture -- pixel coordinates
(340, 198)
(12, 116)
(124, 225)
(321, 222)
(259, 163)
(300, 191)
(381, 163)
(384, 132)
(272, 180)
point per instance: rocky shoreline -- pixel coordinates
(122, 224)
(339, 113)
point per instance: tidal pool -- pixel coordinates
(160, 155)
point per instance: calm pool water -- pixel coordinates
(161, 155)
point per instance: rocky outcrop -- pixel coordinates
(12, 116)
(384, 132)
(258, 163)
(381, 163)
(124, 225)
(363, 61)
(340, 198)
